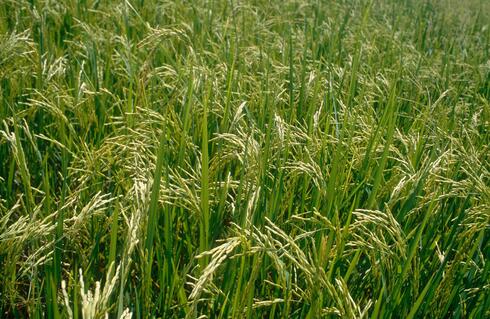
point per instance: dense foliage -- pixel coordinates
(244, 159)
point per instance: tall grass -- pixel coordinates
(244, 159)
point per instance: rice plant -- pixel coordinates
(244, 159)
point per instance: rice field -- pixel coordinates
(244, 159)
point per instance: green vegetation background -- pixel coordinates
(244, 159)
